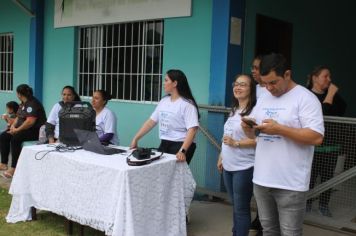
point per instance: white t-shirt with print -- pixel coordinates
(260, 91)
(106, 123)
(53, 119)
(281, 162)
(174, 118)
(235, 159)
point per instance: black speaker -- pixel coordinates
(75, 115)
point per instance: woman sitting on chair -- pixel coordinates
(30, 117)
(52, 125)
(105, 119)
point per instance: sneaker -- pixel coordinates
(256, 225)
(325, 211)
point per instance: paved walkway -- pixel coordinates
(214, 219)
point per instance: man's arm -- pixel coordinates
(300, 135)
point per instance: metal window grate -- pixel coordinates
(6, 61)
(123, 59)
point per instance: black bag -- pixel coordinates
(142, 153)
(75, 115)
(143, 156)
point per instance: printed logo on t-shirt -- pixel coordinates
(269, 138)
(165, 118)
(273, 113)
(29, 109)
(228, 128)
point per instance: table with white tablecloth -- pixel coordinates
(102, 191)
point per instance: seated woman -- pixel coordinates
(105, 118)
(30, 117)
(52, 125)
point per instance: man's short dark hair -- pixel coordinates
(274, 62)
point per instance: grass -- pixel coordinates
(47, 224)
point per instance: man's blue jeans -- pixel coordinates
(239, 186)
(281, 211)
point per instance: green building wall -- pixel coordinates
(186, 47)
(14, 20)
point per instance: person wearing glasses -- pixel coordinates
(177, 115)
(237, 155)
(290, 123)
(325, 156)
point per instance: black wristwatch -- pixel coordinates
(182, 150)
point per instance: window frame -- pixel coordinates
(138, 93)
(6, 73)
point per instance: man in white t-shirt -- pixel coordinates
(290, 124)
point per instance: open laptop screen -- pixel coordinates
(90, 142)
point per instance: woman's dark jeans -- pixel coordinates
(240, 187)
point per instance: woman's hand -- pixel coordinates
(180, 156)
(219, 164)
(227, 140)
(13, 130)
(51, 140)
(133, 144)
(332, 88)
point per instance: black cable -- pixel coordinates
(57, 148)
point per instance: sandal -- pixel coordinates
(8, 174)
(3, 167)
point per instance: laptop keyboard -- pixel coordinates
(110, 150)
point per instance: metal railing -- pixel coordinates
(340, 138)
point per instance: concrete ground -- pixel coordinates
(215, 219)
(209, 218)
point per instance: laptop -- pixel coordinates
(89, 140)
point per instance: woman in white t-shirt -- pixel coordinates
(178, 118)
(52, 125)
(105, 119)
(237, 155)
(256, 75)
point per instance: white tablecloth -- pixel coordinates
(103, 191)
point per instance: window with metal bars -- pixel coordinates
(123, 59)
(6, 61)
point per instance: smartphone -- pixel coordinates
(249, 121)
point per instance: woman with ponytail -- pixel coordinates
(30, 117)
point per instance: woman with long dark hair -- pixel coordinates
(30, 117)
(237, 155)
(52, 125)
(178, 118)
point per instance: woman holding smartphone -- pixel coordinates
(237, 155)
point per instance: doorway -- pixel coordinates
(273, 35)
